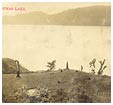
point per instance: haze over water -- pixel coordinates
(35, 45)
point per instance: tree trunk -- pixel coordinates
(17, 68)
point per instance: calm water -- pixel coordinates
(35, 45)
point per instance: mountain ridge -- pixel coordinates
(86, 16)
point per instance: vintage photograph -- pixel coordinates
(56, 52)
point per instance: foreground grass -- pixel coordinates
(67, 86)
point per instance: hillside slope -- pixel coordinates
(68, 86)
(8, 66)
(86, 16)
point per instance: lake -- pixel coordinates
(35, 45)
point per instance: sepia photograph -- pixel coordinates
(56, 52)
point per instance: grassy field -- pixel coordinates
(66, 86)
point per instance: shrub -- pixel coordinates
(92, 65)
(79, 95)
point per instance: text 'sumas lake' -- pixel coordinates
(35, 45)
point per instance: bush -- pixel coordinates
(44, 95)
(79, 95)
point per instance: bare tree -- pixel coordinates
(102, 67)
(81, 68)
(17, 68)
(51, 65)
(67, 67)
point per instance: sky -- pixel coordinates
(46, 7)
